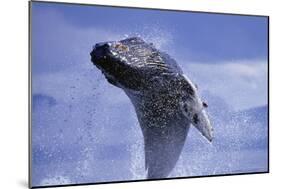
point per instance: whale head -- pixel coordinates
(129, 63)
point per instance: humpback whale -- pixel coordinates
(166, 101)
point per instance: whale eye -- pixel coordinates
(205, 105)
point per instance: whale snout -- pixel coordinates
(99, 52)
(101, 45)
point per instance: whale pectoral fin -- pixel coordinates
(162, 149)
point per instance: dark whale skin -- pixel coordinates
(156, 86)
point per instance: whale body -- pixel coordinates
(166, 101)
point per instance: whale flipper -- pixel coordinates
(162, 149)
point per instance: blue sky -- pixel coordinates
(225, 55)
(203, 36)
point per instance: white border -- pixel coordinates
(14, 92)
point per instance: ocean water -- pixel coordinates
(94, 136)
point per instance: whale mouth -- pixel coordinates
(117, 70)
(102, 58)
(123, 62)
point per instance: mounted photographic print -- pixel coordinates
(120, 94)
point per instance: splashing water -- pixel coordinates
(91, 134)
(161, 38)
(137, 159)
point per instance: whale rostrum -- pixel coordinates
(166, 101)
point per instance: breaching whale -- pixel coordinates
(165, 100)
